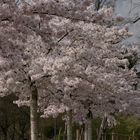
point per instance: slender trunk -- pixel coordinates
(69, 125)
(81, 134)
(133, 135)
(102, 127)
(33, 112)
(65, 130)
(97, 4)
(112, 136)
(55, 127)
(86, 132)
(77, 134)
(89, 121)
(88, 129)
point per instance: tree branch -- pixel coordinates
(136, 20)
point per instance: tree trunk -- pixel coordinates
(102, 127)
(33, 112)
(86, 132)
(65, 131)
(112, 136)
(97, 4)
(133, 135)
(55, 127)
(88, 129)
(69, 125)
(81, 134)
(77, 134)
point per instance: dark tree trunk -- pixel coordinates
(97, 4)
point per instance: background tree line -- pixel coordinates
(15, 124)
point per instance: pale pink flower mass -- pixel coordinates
(72, 54)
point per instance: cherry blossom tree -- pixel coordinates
(91, 85)
(67, 56)
(113, 60)
(17, 37)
